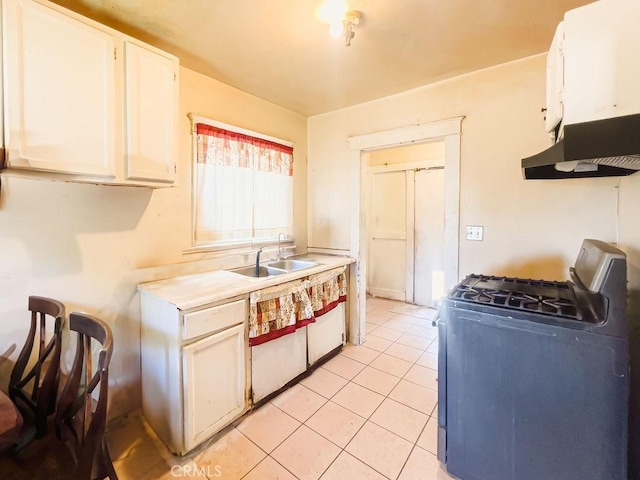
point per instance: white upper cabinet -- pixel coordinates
(59, 91)
(151, 111)
(83, 102)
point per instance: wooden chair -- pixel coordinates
(36, 390)
(81, 416)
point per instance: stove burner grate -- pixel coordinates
(539, 296)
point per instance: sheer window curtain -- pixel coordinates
(243, 187)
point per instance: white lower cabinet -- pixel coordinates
(277, 362)
(214, 383)
(326, 333)
(194, 375)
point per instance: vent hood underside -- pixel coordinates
(602, 148)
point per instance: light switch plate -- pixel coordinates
(475, 232)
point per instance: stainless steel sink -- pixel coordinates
(264, 271)
(292, 265)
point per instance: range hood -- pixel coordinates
(601, 148)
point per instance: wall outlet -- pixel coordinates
(475, 232)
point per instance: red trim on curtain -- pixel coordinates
(330, 306)
(204, 129)
(273, 334)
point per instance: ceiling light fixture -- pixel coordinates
(341, 21)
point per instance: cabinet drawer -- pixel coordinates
(212, 319)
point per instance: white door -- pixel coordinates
(214, 383)
(387, 258)
(429, 236)
(59, 91)
(151, 94)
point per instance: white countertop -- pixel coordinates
(191, 291)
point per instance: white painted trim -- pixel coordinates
(329, 251)
(410, 201)
(232, 128)
(397, 167)
(387, 293)
(447, 130)
(411, 134)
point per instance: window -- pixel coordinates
(243, 187)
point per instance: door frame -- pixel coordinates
(449, 131)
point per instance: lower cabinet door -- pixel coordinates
(214, 383)
(326, 333)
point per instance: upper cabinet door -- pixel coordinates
(59, 91)
(151, 103)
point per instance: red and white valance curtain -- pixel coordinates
(280, 310)
(243, 187)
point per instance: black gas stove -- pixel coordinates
(533, 375)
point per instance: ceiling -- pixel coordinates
(278, 51)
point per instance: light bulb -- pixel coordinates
(335, 29)
(330, 11)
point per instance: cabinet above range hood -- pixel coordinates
(593, 98)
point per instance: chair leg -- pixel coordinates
(108, 464)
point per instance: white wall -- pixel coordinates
(89, 246)
(532, 228)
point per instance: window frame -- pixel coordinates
(232, 246)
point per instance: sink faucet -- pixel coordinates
(284, 237)
(258, 261)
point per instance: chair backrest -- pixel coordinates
(82, 408)
(37, 388)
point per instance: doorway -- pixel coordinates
(405, 228)
(449, 131)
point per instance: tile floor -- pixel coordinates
(369, 413)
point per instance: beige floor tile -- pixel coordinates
(348, 467)
(429, 360)
(429, 437)
(396, 324)
(387, 333)
(299, 401)
(377, 343)
(268, 469)
(378, 316)
(335, 423)
(382, 450)
(182, 470)
(402, 351)
(369, 307)
(423, 376)
(416, 311)
(434, 412)
(360, 353)
(376, 380)
(370, 327)
(358, 399)
(385, 303)
(393, 365)
(415, 396)
(233, 455)
(344, 366)
(424, 331)
(423, 465)
(411, 320)
(268, 426)
(400, 419)
(324, 382)
(132, 450)
(414, 341)
(306, 454)
(433, 348)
